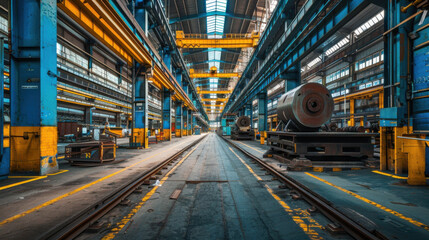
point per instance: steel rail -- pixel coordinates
(324, 206)
(80, 222)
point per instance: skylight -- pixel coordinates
(337, 46)
(215, 25)
(370, 23)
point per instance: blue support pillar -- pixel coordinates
(185, 121)
(4, 126)
(189, 122)
(194, 123)
(179, 122)
(34, 86)
(397, 90)
(139, 137)
(262, 115)
(248, 111)
(292, 78)
(166, 58)
(142, 15)
(179, 76)
(166, 114)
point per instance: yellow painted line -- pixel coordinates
(32, 178)
(408, 219)
(23, 176)
(298, 215)
(52, 201)
(391, 175)
(249, 146)
(20, 183)
(59, 172)
(61, 157)
(121, 224)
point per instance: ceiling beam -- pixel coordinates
(208, 14)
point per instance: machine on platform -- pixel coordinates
(299, 138)
(242, 129)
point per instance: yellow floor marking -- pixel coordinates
(121, 224)
(408, 219)
(32, 178)
(298, 215)
(23, 176)
(391, 175)
(22, 182)
(11, 219)
(249, 146)
(59, 172)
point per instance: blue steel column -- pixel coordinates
(248, 111)
(189, 122)
(142, 15)
(4, 127)
(393, 117)
(185, 121)
(179, 76)
(140, 136)
(166, 114)
(179, 122)
(34, 86)
(194, 123)
(262, 115)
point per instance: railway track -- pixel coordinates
(321, 204)
(75, 225)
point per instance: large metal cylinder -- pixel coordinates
(243, 121)
(308, 106)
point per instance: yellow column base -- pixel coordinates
(416, 150)
(34, 149)
(167, 135)
(189, 132)
(178, 133)
(140, 137)
(262, 137)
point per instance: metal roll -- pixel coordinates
(243, 121)
(308, 106)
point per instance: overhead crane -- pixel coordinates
(214, 99)
(213, 74)
(226, 41)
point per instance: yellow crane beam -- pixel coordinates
(213, 105)
(214, 99)
(212, 74)
(214, 92)
(227, 41)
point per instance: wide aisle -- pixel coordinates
(220, 199)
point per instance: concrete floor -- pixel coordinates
(223, 196)
(30, 206)
(385, 203)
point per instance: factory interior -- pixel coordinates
(214, 119)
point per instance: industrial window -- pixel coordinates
(71, 56)
(337, 75)
(369, 61)
(3, 24)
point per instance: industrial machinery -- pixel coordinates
(242, 129)
(299, 138)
